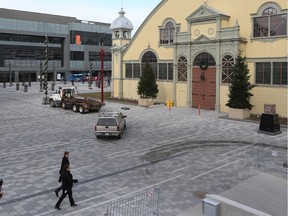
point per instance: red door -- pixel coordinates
(204, 88)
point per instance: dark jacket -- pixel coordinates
(65, 160)
(67, 180)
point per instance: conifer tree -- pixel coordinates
(147, 86)
(240, 89)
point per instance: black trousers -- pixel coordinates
(58, 189)
(64, 194)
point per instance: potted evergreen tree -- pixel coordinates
(240, 91)
(147, 87)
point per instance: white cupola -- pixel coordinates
(121, 27)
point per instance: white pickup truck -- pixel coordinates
(110, 124)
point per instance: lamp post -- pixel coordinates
(10, 75)
(102, 54)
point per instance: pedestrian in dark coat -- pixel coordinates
(67, 184)
(1, 183)
(65, 160)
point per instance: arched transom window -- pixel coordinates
(270, 23)
(167, 33)
(150, 58)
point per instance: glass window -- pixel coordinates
(270, 24)
(77, 55)
(204, 57)
(280, 73)
(136, 70)
(263, 73)
(170, 71)
(150, 58)
(95, 56)
(227, 68)
(128, 71)
(91, 38)
(182, 69)
(167, 33)
(163, 71)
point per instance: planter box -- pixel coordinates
(145, 101)
(239, 113)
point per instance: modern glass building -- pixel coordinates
(73, 46)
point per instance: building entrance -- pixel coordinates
(204, 82)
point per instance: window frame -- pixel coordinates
(166, 32)
(263, 25)
(227, 65)
(265, 73)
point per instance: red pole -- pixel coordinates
(102, 74)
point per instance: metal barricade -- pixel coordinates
(141, 204)
(266, 157)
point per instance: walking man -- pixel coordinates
(67, 184)
(65, 160)
(1, 183)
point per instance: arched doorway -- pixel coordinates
(204, 82)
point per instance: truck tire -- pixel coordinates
(52, 104)
(81, 110)
(75, 108)
(64, 105)
(119, 136)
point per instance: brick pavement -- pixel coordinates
(179, 151)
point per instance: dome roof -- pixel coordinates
(121, 22)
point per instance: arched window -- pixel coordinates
(271, 22)
(204, 57)
(182, 69)
(167, 32)
(150, 58)
(227, 68)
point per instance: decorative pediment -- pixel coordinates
(202, 38)
(205, 13)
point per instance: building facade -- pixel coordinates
(179, 36)
(73, 46)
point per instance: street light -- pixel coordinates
(102, 54)
(10, 75)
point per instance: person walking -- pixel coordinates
(67, 184)
(65, 160)
(1, 183)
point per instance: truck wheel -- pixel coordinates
(63, 105)
(52, 103)
(81, 110)
(75, 108)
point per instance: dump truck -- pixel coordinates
(68, 97)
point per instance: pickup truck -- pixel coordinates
(68, 98)
(110, 124)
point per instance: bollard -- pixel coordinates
(17, 86)
(25, 88)
(4, 84)
(52, 86)
(29, 84)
